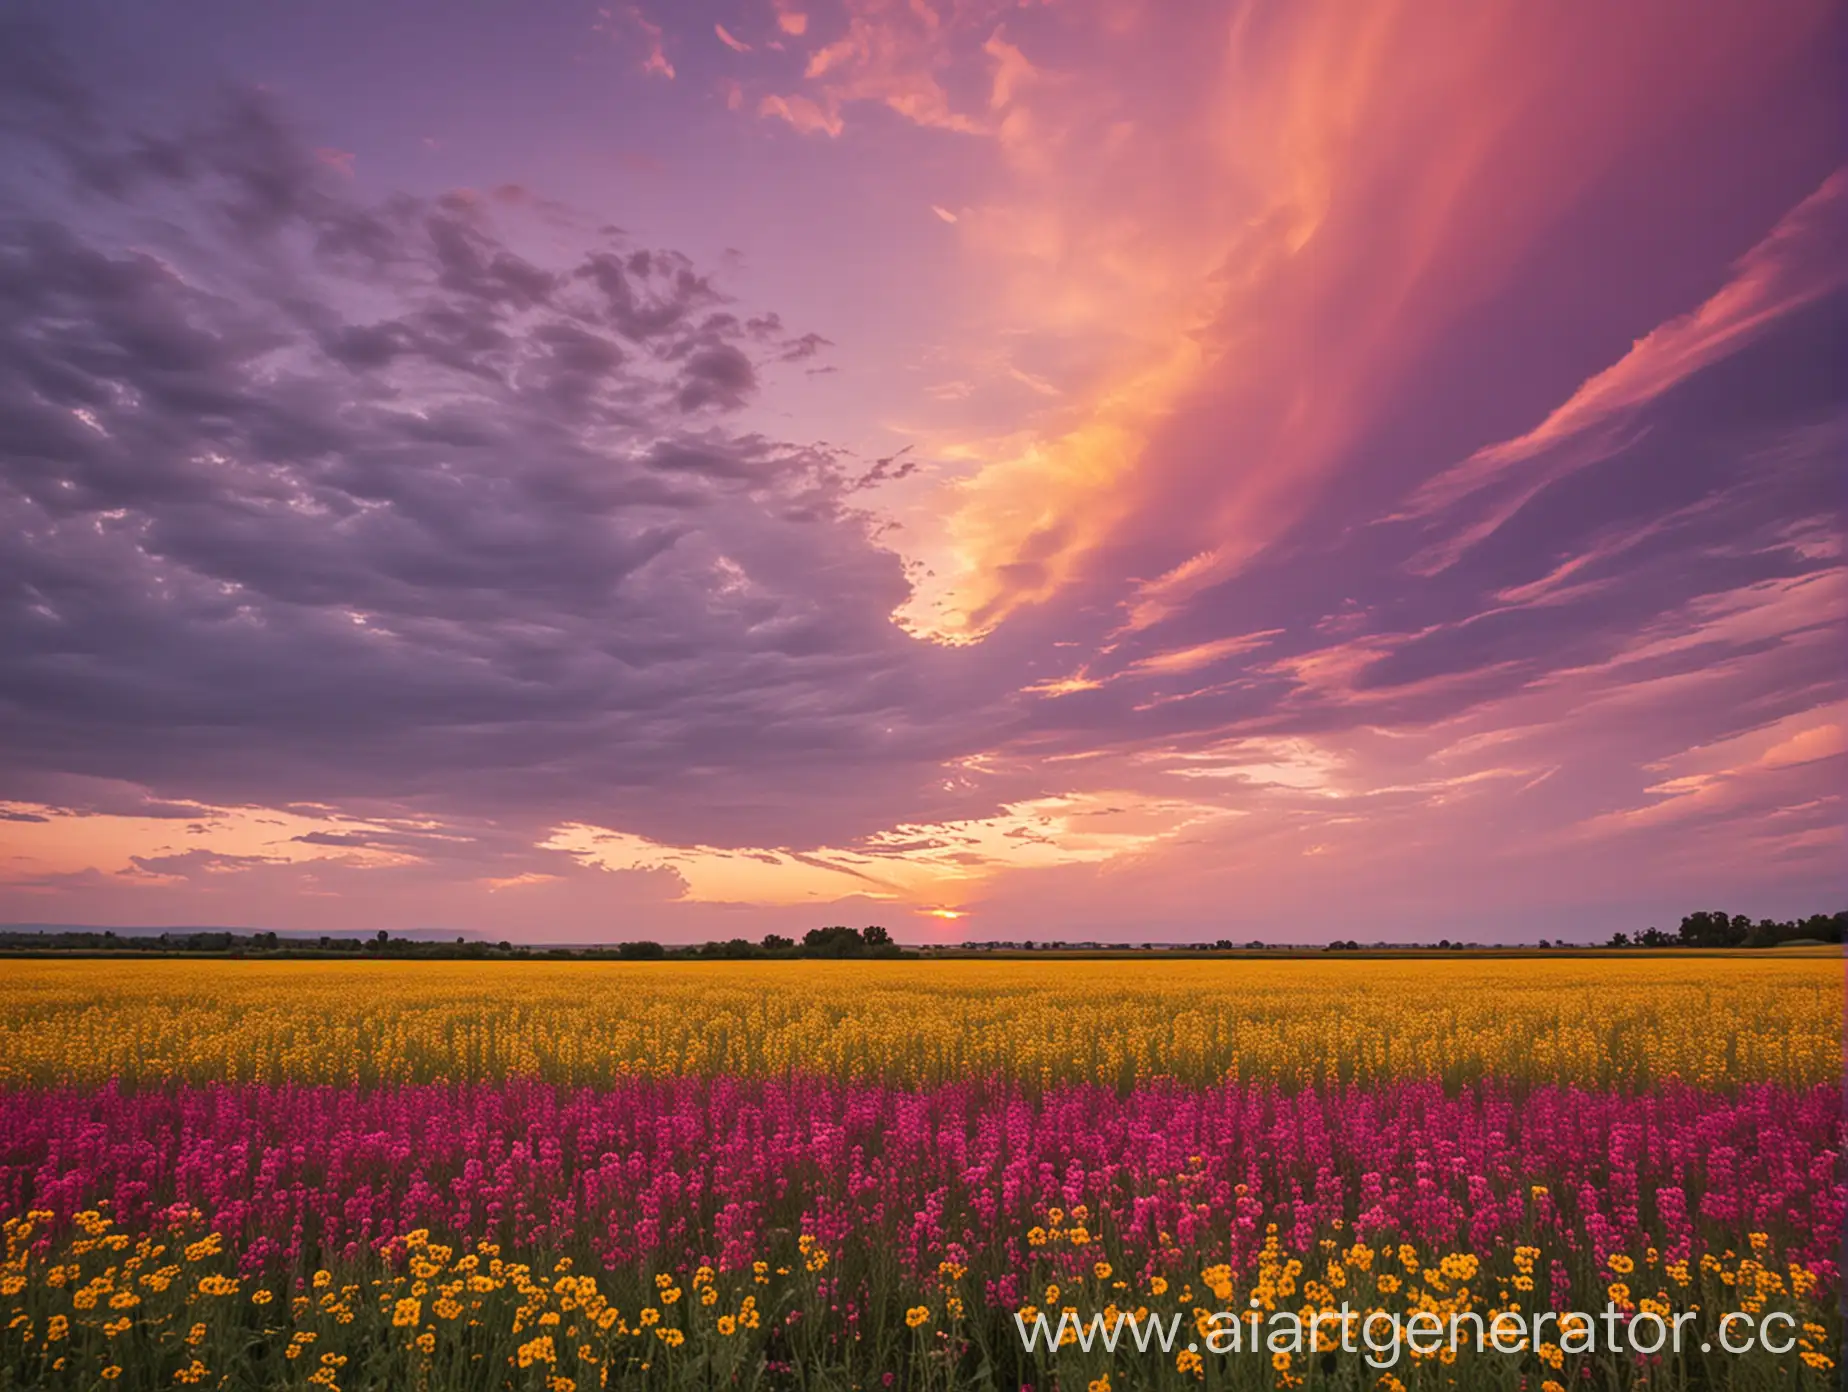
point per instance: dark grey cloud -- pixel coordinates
(311, 499)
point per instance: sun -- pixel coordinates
(945, 913)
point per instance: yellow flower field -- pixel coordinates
(1714, 1021)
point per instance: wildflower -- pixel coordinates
(917, 1316)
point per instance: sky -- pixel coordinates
(1093, 469)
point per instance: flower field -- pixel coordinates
(783, 1175)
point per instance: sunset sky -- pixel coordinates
(1081, 469)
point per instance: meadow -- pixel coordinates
(855, 1175)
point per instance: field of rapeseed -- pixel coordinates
(856, 1175)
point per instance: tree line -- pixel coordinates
(1705, 930)
(836, 940)
(1713, 929)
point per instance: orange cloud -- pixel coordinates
(1796, 265)
(911, 861)
(790, 20)
(891, 56)
(1235, 268)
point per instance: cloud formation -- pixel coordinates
(1323, 506)
(326, 500)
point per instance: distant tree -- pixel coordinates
(875, 936)
(836, 940)
(641, 948)
(1443, 942)
(1713, 929)
(1254, 944)
(776, 942)
(1620, 940)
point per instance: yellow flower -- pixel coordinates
(917, 1316)
(408, 1311)
(1102, 1269)
(1188, 1361)
(426, 1342)
(111, 1373)
(727, 1325)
